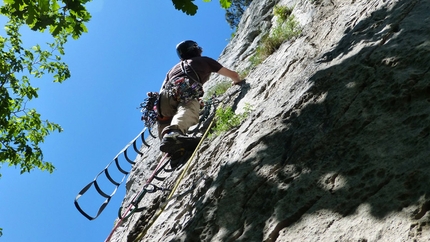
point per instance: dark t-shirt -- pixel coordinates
(201, 65)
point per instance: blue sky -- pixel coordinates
(127, 52)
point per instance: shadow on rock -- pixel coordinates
(360, 135)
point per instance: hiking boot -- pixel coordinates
(170, 142)
(172, 134)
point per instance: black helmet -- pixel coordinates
(188, 49)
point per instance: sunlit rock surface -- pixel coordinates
(337, 147)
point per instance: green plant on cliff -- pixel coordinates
(226, 119)
(244, 73)
(219, 89)
(286, 28)
(282, 12)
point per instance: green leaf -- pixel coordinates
(36, 48)
(23, 130)
(186, 6)
(55, 6)
(30, 17)
(43, 5)
(55, 30)
(225, 3)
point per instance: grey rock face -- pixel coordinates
(337, 147)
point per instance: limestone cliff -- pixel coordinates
(337, 147)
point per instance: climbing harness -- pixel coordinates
(185, 88)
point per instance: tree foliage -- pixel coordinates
(69, 16)
(22, 129)
(235, 11)
(188, 7)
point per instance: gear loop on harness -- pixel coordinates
(184, 88)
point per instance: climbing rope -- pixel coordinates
(213, 102)
(178, 181)
(148, 109)
(133, 206)
(148, 187)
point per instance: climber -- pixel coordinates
(179, 105)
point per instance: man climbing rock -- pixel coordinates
(178, 106)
